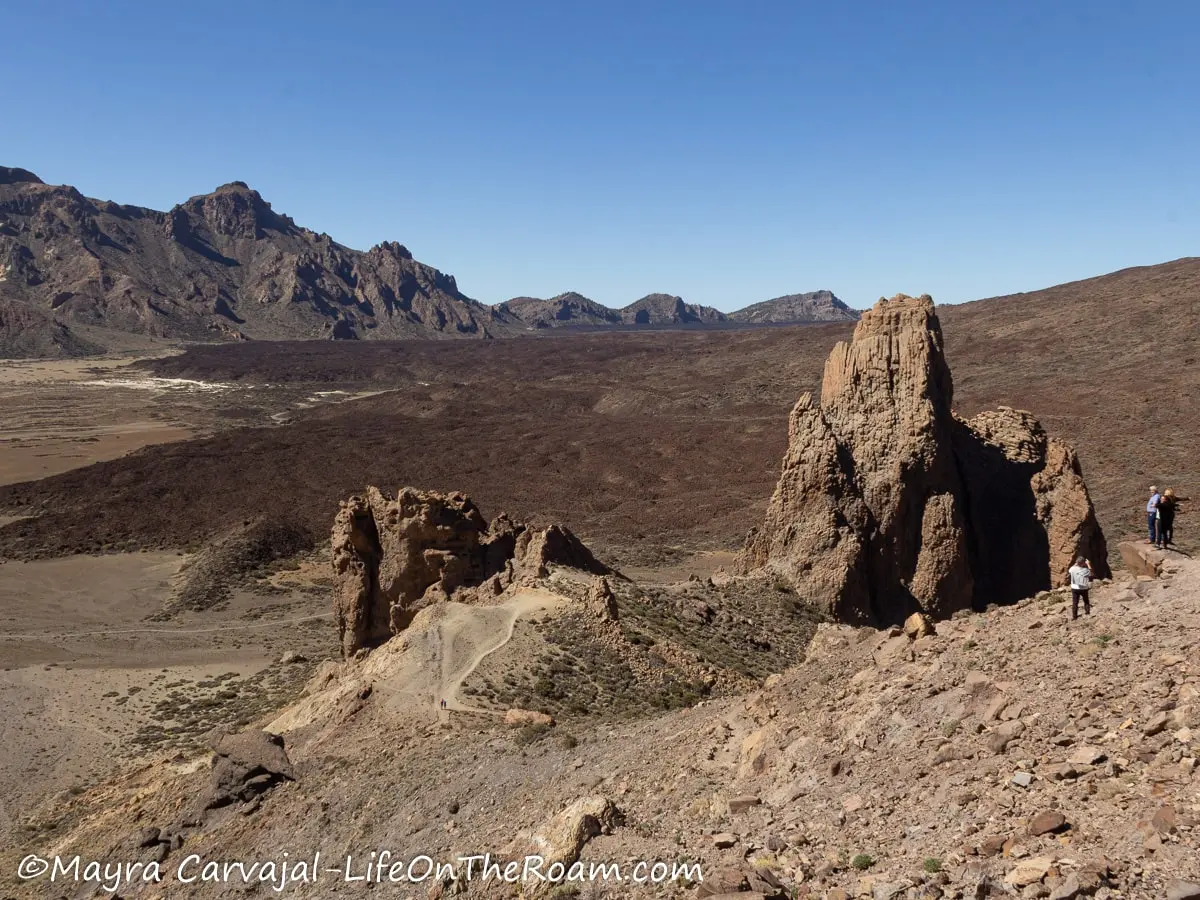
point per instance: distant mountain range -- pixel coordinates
(80, 276)
(572, 309)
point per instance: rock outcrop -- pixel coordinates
(395, 556)
(814, 306)
(245, 764)
(890, 504)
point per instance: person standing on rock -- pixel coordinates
(1081, 584)
(1166, 518)
(1152, 514)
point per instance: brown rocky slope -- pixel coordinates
(890, 504)
(221, 266)
(1009, 754)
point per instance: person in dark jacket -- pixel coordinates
(1166, 518)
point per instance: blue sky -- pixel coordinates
(725, 151)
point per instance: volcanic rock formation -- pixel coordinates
(890, 504)
(395, 556)
(219, 266)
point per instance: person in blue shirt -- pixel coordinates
(1152, 514)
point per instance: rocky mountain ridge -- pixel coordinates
(77, 274)
(573, 309)
(814, 306)
(220, 266)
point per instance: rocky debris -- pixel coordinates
(395, 556)
(873, 769)
(561, 839)
(1141, 559)
(889, 504)
(1048, 821)
(1183, 890)
(245, 765)
(527, 717)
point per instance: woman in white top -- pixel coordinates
(1081, 583)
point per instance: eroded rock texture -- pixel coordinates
(395, 556)
(889, 504)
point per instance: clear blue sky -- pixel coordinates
(725, 151)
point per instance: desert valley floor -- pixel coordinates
(164, 523)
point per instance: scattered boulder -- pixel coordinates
(741, 804)
(517, 717)
(1029, 871)
(394, 556)
(246, 764)
(561, 839)
(1141, 559)
(890, 504)
(1048, 821)
(1183, 890)
(918, 625)
(1003, 734)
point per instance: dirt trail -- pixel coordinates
(469, 634)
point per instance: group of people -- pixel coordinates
(1160, 517)
(1160, 522)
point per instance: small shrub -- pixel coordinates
(530, 734)
(862, 861)
(932, 865)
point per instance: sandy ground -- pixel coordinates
(84, 673)
(703, 565)
(62, 414)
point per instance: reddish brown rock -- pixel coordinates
(395, 556)
(889, 504)
(1048, 821)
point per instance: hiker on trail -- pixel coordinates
(443, 703)
(1081, 583)
(1152, 514)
